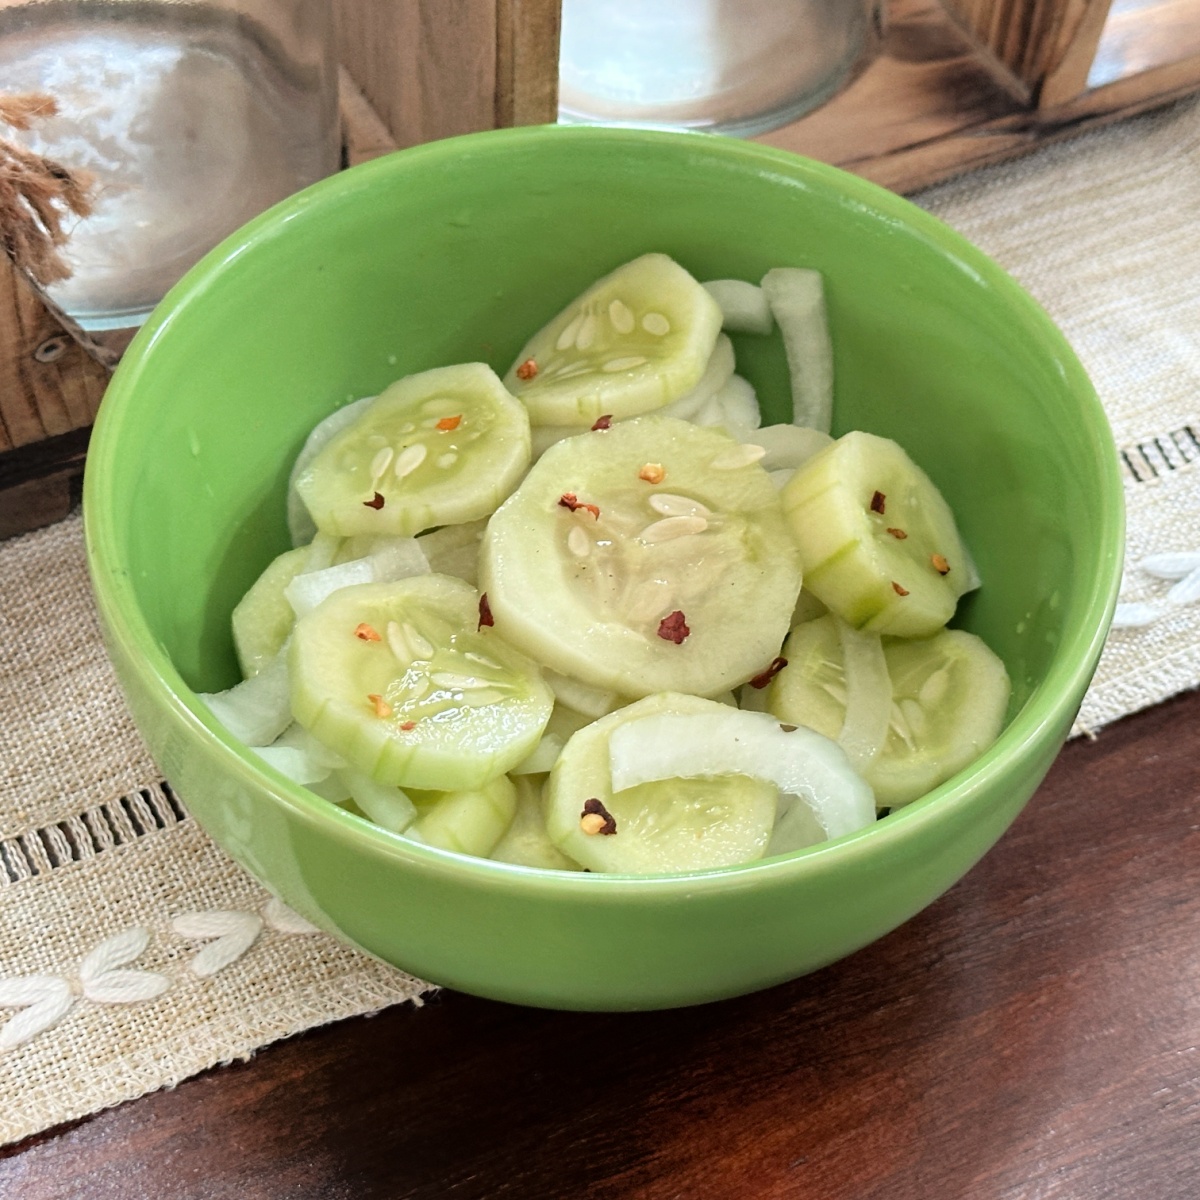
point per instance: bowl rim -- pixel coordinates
(1044, 712)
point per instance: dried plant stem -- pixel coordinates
(36, 195)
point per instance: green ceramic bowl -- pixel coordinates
(454, 252)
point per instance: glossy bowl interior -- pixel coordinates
(454, 252)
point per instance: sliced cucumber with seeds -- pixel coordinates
(636, 340)
(663, 826)
(526, 842)
(650, 557)
(439, 448)
(877, 540)
(946, 703)
(399, 680)
(471, 821)
(263, 618)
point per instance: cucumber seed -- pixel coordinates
(398, 645)
(422, 647)
(621, 317)
(409, 459)
(656, 323)
(623, 364)
(587, 332)
(448, 459)
(578, 542)
(567, 337)
(670, 528)
(381, 462)
(671, 505)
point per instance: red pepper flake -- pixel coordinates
(899, 534)
(570, 501)
(448, 423)
(365, 633)
(485, 613)
(528, 370)
(604, 422)
(408, 726)
(761, 680)
(673, 628)
(877, 502)
(381, 706)
(940, 565)
(375, 502)
(900, 591)
(652, 473)
(595, 818)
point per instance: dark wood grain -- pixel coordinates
(1035, 1033)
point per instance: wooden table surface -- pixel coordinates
(1033, 1034)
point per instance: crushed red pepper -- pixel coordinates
(382, 707)
(375, 502)
(365, 633)
(900, 591)
(673, 628)
(878, 501)
(446, 424)
(940, 565)
(595, 818)
(652, 473)
(899, 534)
(485, 613)
(572, 502)
(528, 370)
(604, 422)
(408, 726)
(761, 680)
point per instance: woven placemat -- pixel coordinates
(134, 954)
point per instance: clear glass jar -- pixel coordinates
(192, 115)
(730, 66)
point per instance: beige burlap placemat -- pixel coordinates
(133, 954)
(1105, 232)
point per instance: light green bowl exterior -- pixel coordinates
(455, 251)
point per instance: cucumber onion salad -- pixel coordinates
(557, 619)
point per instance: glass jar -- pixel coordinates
(191, 116)
(730, 66)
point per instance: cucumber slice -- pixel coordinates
(946, 702)
(796, 296)
(456, 705)
(439, 448)
(744, 307)
(716, 377)
(300, 524)
(470, 821)
(681, 585)
(263, 618)
(949, 694)
(877, 540)
(634, 341)
(664, 826)
(526, 842)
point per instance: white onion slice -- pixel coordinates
(789, 446)
(259, 709)
(300, 523)
(397, 558)
(716, 375)
(294, 763)
(797, 299)
(868, 696)
(542, 758)
(580, 697)
(744, 307)
(796, 827)
(733, 742)
(389, 807)
(734, 407)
